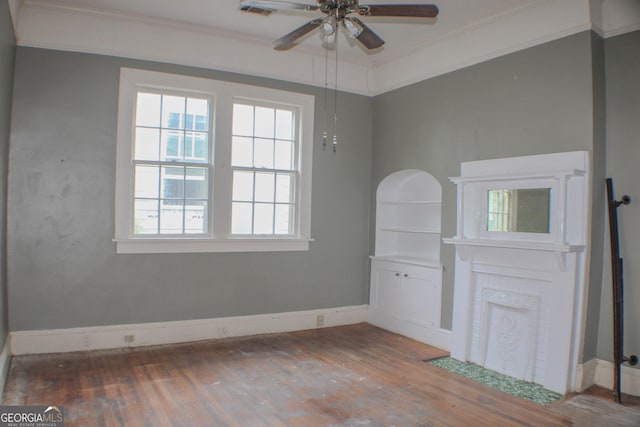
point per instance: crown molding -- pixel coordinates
(620, 17)
(537, 23)
(58, 27)
(54, 25)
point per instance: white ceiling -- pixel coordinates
(402, 36)
(465, 32)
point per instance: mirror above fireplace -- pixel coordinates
(524, 210)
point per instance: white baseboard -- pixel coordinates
(157, 333)
(440, 338)
(630, 377)
(436, 337)
(5, 359)
(585, 375)
(600, 372)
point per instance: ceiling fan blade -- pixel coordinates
(367, 37)
(408, 10)
(266, 7)
(288, 40)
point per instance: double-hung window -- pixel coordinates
(171, 176)
(210, 166)
(264, 169)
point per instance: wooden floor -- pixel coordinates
(596, 407)
(346, 376)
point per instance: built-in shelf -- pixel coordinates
(408, 216)
(410, 203)
(406, 274)
(409, 230)
(401, 259)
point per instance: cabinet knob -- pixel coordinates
(397, 274)
(406, 275)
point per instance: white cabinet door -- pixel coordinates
(421, 297)
(405, 299)
(385, 301)
(389, 292)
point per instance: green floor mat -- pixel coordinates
(515, 387)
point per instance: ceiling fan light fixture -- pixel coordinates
(338, 12)
(328, 42)
(328, 26)
(353, 29)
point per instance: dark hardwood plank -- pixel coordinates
(597, 407)
(342, 376)
(606, 394)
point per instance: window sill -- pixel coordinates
(165, 246)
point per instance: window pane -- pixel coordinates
(284, 189)
(263, 153)
(196, 185)
(172, 145)
(147, 144)
(243, 120)
(242, 152)
(284, 124)
(173, 108)
(146, 182)
(171, 213)
(263, 218)
(265, 187)
(172, 182)
(284, 155)
(196, 147)
(195, 217)
(241, 218)
(197, 114)
(145, 217)
(242, 186)
(148, 110)
(283, 215)
(265, 122)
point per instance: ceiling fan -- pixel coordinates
(338, 12)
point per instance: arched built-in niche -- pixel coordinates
(408, 218)
(406, 274)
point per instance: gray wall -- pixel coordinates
(7, 55)
(539, 100)
(622, 55)
(63, 268)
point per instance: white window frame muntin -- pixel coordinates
(219, 238)
(159, 90)
(295, 172)
(296, 179)
(210, 97)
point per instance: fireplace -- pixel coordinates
(522, 234)
(507, 334)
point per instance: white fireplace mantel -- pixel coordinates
(466, 248)
(518, 297)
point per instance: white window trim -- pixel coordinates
(219, 238)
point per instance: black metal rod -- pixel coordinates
(618, 293)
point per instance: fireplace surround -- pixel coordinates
(518, 296)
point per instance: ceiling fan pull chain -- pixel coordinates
(326, 95)
(335, 103)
